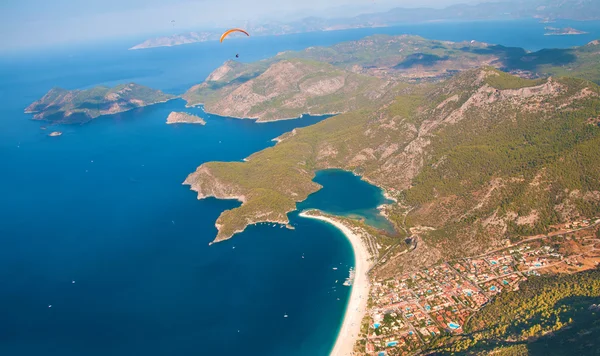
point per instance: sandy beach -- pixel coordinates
(357, 305)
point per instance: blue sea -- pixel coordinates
(96, 223)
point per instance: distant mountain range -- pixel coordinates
(545, 10)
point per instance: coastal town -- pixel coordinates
(408, 312)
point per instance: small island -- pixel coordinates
(553, 31)
(80, 106)
(55, 133)
(184, 118)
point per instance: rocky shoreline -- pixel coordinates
(184, 118)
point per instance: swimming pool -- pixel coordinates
(392, 343)
(453, 326)
(376, 325)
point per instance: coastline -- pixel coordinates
(357, 305)
(257, 119)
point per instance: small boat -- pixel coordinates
(335, 268)
(285, 315)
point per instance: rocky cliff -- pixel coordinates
(184, 118)
(286, 89)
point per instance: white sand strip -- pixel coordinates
(357, 306)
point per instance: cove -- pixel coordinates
(346, 194)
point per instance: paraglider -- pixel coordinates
(237, 55)
(173, 23)
(226, 33)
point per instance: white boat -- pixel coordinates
(350, 279)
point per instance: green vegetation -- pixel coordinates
(273, 180)
(413, 57)
(407, 58)
(70, 106)
(228, 76)
(504, 82)
(580, 62)
(453, 181)
(552, 315)
(507, 155)
(284, 89)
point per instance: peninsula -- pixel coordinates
(178, 39)
(283, 89)
(553, 31)
(365, 82)
(80, 106)
(184, 118)
(386, 143)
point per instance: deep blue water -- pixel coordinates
(338, 194)
(103, 206)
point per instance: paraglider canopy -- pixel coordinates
(237, 56)
(226, 33)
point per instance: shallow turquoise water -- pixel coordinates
(345, 194)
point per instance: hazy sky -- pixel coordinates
(30, 23)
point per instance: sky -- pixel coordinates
(37, 23)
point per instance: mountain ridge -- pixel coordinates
(388, 145)
(342, 77)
